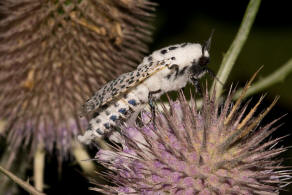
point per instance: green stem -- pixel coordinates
(38, 166)
(277, 76)
(20, 182)
(237, 44)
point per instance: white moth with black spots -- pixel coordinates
(167, 69)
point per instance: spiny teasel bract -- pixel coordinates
(212, 150)
(55, 53)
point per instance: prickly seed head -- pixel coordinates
(212, 150)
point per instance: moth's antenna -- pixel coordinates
(217, 79)
(213, 75)
(207, 47)
(207, 44)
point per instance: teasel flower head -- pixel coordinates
(54, 54)
(213, 150)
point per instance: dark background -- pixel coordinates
(269, 44)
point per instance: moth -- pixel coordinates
(167, 69)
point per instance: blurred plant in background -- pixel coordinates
(56, 53)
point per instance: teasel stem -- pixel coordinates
(2, 126)
(20, 182)
(276, 77)
(38, 168)
(236, 46)
(82, 159)
(7, 158)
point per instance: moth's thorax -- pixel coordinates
(160, 81)
(184, 54)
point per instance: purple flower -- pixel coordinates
(212, 150)
(55, 54)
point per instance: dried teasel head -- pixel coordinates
(212, 150)
(56, 53)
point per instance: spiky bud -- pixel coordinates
(212, 150)
(55, 54)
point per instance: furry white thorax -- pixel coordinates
(183, 56)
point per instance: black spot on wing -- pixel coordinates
(185, 44)
(106, 125)
(164, 51)
(105, 106)
(113, 117)
(95, 114)
(132, 102)
(150, 58)
(100, 132)
(89, 127)
(123, 111)
(115, 82)
(172, 48)
(121, 80)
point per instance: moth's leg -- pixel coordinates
(197, 85)
(151, 103)
(209, 71)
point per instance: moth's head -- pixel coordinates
(198, 58)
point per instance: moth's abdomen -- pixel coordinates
(103, 121)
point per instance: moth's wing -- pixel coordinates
(120, 85)
(102, 96)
